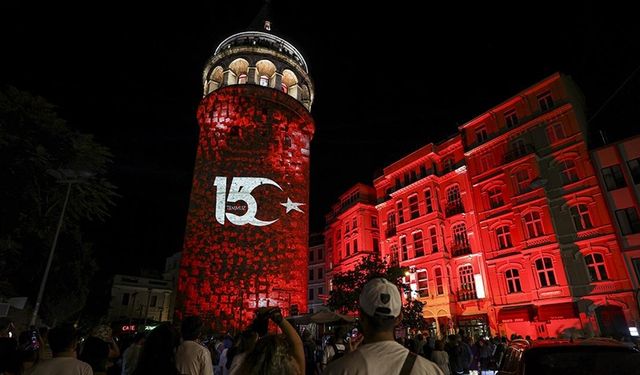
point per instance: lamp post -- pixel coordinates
(68, 177)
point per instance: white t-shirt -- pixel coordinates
(193, 358)
(62, 366)
(384, 357)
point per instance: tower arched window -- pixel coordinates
(513, 281)
(242, 79)
(533, 224)
(264, 81)
(546, 275)
(467, 283)
(284, 88)
(503, 235)
(596, 267)
(581, 217)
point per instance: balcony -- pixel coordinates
(518, 152)
(454, 208)
(467, 295)
(460, 249)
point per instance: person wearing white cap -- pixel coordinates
(377, 351)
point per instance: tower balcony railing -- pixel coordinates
(454, 208)
(460, 249)
(467, 295)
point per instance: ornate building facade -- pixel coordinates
(504, 227)
(246, 242)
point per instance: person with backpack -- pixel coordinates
(335, 348)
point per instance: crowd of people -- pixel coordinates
(372, 349)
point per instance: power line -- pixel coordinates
(614, 93)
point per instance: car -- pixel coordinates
(580, 357)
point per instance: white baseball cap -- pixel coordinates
(380, 297)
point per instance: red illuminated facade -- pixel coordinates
(247, 232)
(504, 227)
(352, 230)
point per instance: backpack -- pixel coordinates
(338, 353)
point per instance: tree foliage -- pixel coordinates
(413, 315)
(34, 141)
(347, 285)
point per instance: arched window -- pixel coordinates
(581, 217)
(240, 68)
(414, 211)
(546, 275)
(439, 284)
(513, 281)
(266, 69)
(533, 224)
(242, 79)
(596, 267)
(568, 171)
(495, 197)
(467, 283)
(460, 234)
(418, 244)
(453, 195)
(503, 235)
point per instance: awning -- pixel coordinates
(566, 310)
(515, 314)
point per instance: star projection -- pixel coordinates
(246, 240)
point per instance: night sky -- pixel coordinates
(388, 80)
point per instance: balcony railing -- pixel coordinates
(467, 295)
(454, 208)
(460, 249)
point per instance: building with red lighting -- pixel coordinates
(618, 169)
(246, 242)
(316, 287)
(352, 230)
(504, 227)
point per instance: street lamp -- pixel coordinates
(63, 176)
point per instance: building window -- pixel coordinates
(400, 212)
(555, 132)
(513, 281)
(311, 294)
(504, 237)
(427, 199)
(595, 265)
(495, 197)
(546, 276)
(413, 207)
(346, 229)
(242, 79)
(418, 244)
(320, 273)
(613, 177)
(628, 220)
(581, 217)
(511, 118)
(154, 301)
(394, 254)
(354, 223)
(320, 291)
(311, 254)
(439, 284)
(374, 222)
(348, 249)
(264, 81)
(523, 181)
(460, 235)
(467, 283)
(423, 283)
(376, 246)
(454, 201)
(355, 245)
(391, 220)
(311, 275)
(481, 135)
(284, 88)
(634, 168)
(125, 299)
(545, 100)
(486, 162)
(447, 164)
(533, 224)
(403, 248)
(434, 239)
(320, 254)
(568, 171)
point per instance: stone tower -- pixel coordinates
(246, 241)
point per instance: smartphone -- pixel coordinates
(35, 342)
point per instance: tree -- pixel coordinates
(347, 285)
(34, 140)
(413, 315)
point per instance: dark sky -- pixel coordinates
(389, 79)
